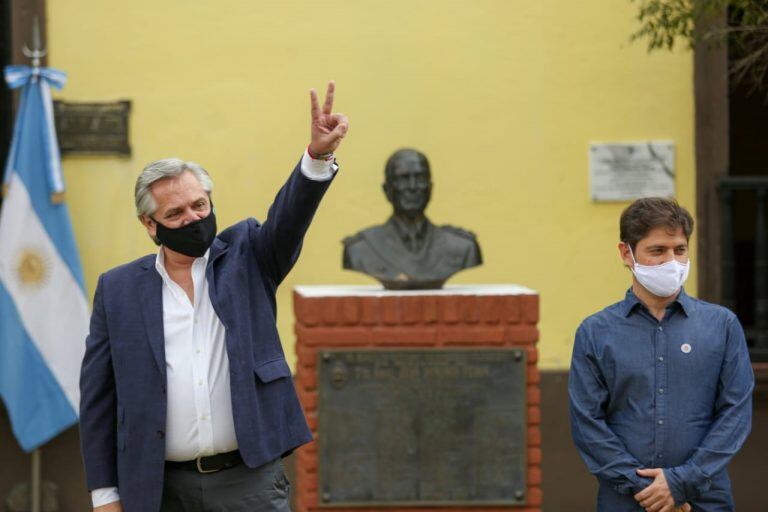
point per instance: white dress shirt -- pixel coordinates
(199, 418)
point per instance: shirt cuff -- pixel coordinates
(104, 496)
(318, 170)
(686, 482)
(632, 483)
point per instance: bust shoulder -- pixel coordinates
(458, 233)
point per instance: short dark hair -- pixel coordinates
(645, 214)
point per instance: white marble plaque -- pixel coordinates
(627, 171)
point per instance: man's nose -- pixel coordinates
(188, 216)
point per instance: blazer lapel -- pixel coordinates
(151, 286)
(218, 248)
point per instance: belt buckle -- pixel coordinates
(200, 467)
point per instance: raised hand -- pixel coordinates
(327, 128)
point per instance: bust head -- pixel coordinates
(408, 182)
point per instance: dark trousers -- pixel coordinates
(237, 489)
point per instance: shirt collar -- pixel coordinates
(631, 302)
(160, 260)
(410, 232)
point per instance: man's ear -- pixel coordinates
(149, 224)
(387, 191)
(626, 256)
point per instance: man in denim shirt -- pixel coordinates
(661, 383)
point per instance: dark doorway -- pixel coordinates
(745, 198)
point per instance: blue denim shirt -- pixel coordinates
(675, 394)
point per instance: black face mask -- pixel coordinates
(192, 239)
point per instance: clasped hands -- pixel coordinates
(657, 497)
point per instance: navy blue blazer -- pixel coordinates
(123, 381)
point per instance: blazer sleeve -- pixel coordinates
(277, 243)
(98, 403)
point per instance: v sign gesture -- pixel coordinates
(327, 128)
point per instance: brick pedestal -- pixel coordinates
(357, 317)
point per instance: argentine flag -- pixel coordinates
(43, 307)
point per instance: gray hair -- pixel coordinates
(160, 170)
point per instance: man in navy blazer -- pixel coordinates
(187, 402)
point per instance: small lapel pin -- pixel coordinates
(685, 348)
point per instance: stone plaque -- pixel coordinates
(628, 171)
(422, 427)
(93, 127)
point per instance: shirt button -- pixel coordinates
(199, 383)
(661, 358)
(198, 351)
(658, 455)
(661, 422)
(661, 328)
(661, 391)
(204, 417)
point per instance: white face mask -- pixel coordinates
(661, 280)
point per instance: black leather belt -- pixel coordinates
(209, 464)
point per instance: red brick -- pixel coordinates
(512, 309)
(471, 335)
(534, 456)
(534, 377)
(307, 311)
(369, 310)
(390, 310)
(491, 308)
(330, 310)
(533, 355)
(350, 310)
(312, 421)
(304, 484)
(534, 395)
(411, 308)
(534, 496)
(429, 309)
(306, 378)
(449, 309)
(308, 399)
(333, 337)
(521, 334)
(469, 309)
(311, 480)
(534, 476)
(534, 436)
(310, 500)
(534, 415)
(305, 355)
(306, 461)
(530, 305)
(411, 336)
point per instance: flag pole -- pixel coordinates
(36, 53)
(35, 488)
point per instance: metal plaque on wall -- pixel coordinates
(95, 128)
(422, 427)
(628, 171)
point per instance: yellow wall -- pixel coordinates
(503, 96)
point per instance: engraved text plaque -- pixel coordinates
(422, 427)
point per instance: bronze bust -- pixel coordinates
(408, 252)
